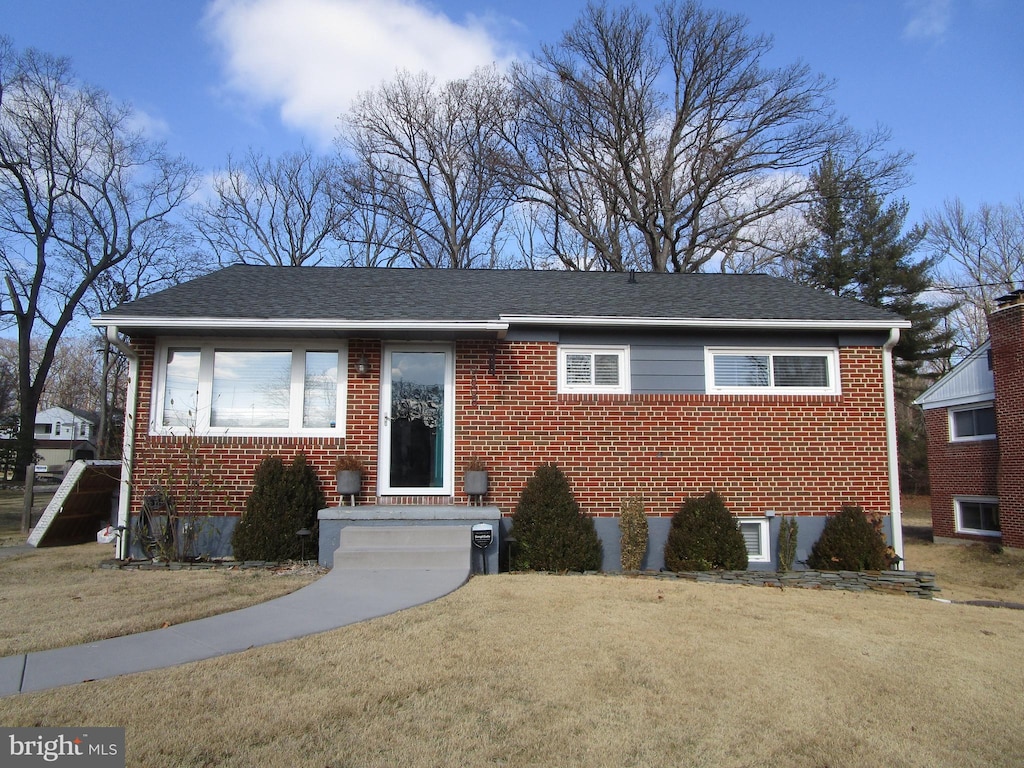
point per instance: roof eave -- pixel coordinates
(292, 324)
(704, 322)
(499, 326)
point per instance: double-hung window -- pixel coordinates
(975, 422)
(250, 389)
(593, 369)
(798, 371)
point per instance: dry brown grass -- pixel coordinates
(530, 670)
(12, 503)
(52, 597)
(963, 571)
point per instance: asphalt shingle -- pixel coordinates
(367, 295)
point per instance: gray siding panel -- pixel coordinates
(667, 369)
(672, 363)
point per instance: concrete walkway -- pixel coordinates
(376, 572)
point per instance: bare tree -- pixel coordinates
(81, 191)
(440, 169)
(279, 211)
(984, 257)
(74, 380)
(369, 236)
(663, 141)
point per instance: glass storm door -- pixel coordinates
(417, 414)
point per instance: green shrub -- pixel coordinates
(849, 542)
(551, 532)
(704, 537)
(788, 530)
(284, 500)
(633, 530)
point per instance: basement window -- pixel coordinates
(756, 538)
(978, 515)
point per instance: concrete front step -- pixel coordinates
(404, 547)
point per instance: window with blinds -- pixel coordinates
(251, 389)
(755, 536)
(772, 371)
(592, 369)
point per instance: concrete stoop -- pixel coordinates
(404, 547)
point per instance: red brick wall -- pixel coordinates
(796, 455)
(956, 469)
(1006, 329)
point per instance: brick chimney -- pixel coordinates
(1006, 330)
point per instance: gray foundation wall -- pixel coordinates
(809, 529)
(214, 539)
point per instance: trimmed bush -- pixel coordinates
(705, 537)
(284, 500)
(849, 542)
(633, 531)
(551, 532)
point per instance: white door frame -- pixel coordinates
(447, 487)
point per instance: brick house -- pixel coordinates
(975, 422)
(658, 385)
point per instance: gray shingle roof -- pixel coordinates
(367, 295)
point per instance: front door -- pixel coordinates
(417, 414)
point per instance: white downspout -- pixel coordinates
(895, 507)
(128, 449)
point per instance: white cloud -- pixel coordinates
(149, 125)
(929, 19)
(309, 58)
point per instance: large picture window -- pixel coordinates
(767, 371)
(250, 389)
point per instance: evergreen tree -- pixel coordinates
(859, 249)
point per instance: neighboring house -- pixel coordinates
(63, 435)
(975, 421)
(657, 385)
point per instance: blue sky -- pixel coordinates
(217, 76)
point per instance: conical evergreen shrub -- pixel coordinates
(849, 542)
(284, 500)
(552, 533)
(703, 536)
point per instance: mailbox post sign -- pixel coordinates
(483, 534)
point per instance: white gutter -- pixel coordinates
(889, 390)
(297, 324)
(704, 322)
(128, 449)
(499, 326)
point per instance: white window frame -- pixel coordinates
(764, 535)
(831, 355)
(621, 352)
(957, 519)
(951, 415)
(203, 406)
